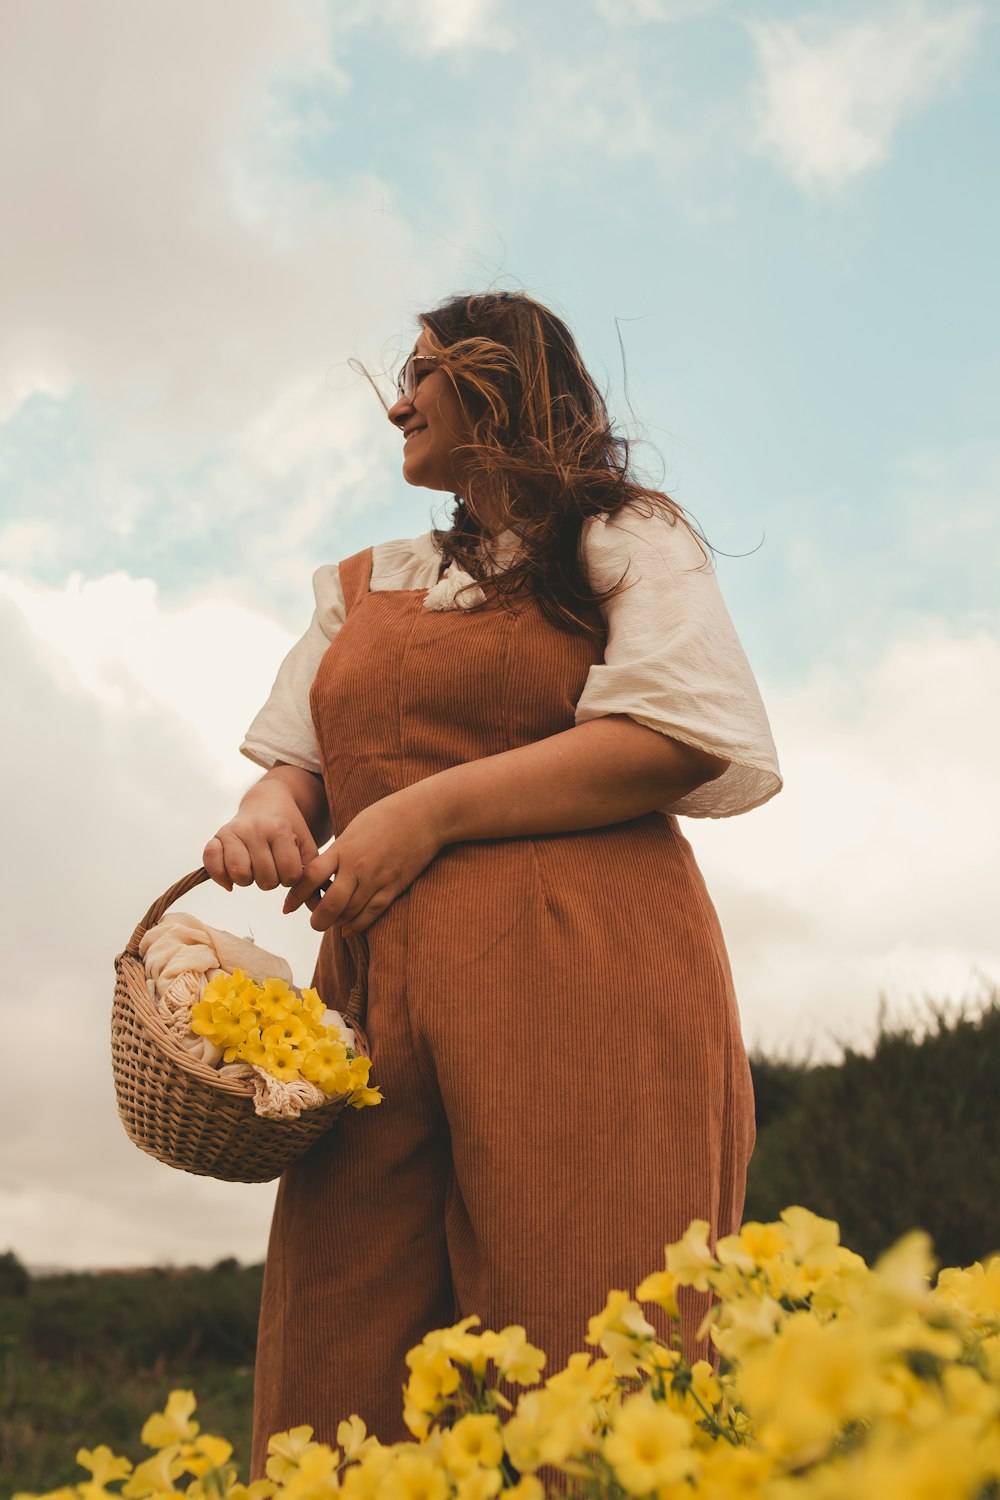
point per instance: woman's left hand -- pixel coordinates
(378, 855)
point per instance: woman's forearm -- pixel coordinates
(606, 771)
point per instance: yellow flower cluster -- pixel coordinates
(275, 1028)
(837, 1381)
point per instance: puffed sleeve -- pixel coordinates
(673, 661)
(283, 730)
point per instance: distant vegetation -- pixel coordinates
(84, 1359)
(907, 1136)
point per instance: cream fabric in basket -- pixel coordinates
(180, 955)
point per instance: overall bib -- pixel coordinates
(551, 1021)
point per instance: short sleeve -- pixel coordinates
(673, 661)
(283, 730)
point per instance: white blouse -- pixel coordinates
(672, 661)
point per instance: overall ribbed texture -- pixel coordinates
(552, 1023)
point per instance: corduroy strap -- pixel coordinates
(355, 580)
(357, 1002)
(356, 577)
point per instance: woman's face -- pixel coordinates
(434, 427)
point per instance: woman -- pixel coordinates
(499, 721)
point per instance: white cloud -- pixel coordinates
(164, 265)
(638, 12)
(876, 869)
(203, 666)
(449, 25)
(832, 94)
(594, 104)
(193, 298)
(30, 371)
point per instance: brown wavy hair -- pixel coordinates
(543, 459)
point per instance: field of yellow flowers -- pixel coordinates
(837, 1381)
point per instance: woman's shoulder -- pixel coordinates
(404, 563)
(655, 538)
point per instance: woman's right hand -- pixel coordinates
(271, 839)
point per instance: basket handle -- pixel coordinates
(356, 1009)
(177, 890)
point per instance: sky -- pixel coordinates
(773, 227)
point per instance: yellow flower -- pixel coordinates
(173, 1424)
(836, 1285)
(744, 1323)
(314, 1476)
(276, 997)
(975, 1290)
(103, 1466)
(809, 1236)
(552, 1426)
(729, 1473)
(352, 1435)
(661, 1288)
(206, 1452)
(583, 1378)
(902, 1276)
(313, 1006)
(705, 1383)
(945, 1463)
(516, 1359)
(621, 1313)
(366, 1480)
(414, 1476)
(649, 1447)
(361, 1098)
(473, 1443)
(526, 1488)
(66, 1492)
(285, 1450)
(283, 1062)
(690, 1260)
(253, 1049)
(210, 1020)
(805, 1385)
(433, 1378)
(623, 1333)
(272, 1028)
(481, 1484)
(287, 1032)
(756, 1245)
(155, 1476)
(967, 1394)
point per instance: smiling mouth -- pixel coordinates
(408, 435)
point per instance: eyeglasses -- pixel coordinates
(410, 375)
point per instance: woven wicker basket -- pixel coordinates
(176, 1107)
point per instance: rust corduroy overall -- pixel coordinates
(551, 1021)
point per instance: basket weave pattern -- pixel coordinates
(177, 1108)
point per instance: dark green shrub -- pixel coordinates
(906, 1137)
(14, 1278)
